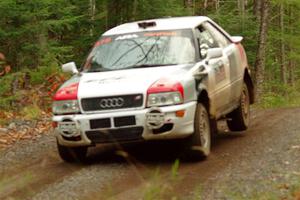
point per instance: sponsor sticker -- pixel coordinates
(125, 37)
(158, 34)
(103, 41)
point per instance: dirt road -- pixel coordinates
(262, 163)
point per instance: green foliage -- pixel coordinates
(32, 112)
(39, 75)
(5, 102)
(175, 168)
(32, 29)
(278, 95)
(237, 25)
(5, 84)
(154, 189)
(40, 35)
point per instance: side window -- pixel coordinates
(206, 38)
(205, 41)
(219, 37)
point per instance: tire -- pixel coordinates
(72, 154)
(199, 143)
(213, 128)
(239, 119)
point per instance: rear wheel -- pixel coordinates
(72, 154)
(199, 143)
(239, 118)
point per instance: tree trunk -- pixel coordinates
(92, 15)
(257, 8)
(291, 63)
(261, 51)
(242, 9)
(190, 4)
(241, 6)
(217, 5)
(205, 4)
(282, 45)
(134, 10)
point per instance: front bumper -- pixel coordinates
(182, 126)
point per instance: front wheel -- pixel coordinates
(72, 154)
(199, 143)
(239, 118)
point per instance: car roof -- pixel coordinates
(171, 23)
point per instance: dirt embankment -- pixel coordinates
(261, 163)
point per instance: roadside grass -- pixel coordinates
(28, 99)
(14, 183)
(161, 187)
(15, 87)
(274, 190)
(158, 186)
(32, 112)
(279, 96)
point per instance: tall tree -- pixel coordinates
(257, 8)
(242, 10)
(92, 14)
(291, 63)
(282, 44)
(261, 51)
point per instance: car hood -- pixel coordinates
(130, 81)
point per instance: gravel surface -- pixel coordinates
(268, 167)
(26, 152)
(87, 180)
(261, 163)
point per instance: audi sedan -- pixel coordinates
(157, 79)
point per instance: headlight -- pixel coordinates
(164, 99)
(65, 107)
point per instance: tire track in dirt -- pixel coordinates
(229, 150)
(33, 170)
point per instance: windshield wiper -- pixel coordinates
(101, 69)
(97, 68)
(150, 65)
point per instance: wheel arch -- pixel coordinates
(250, 85)
(204, 98)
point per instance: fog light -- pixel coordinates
(155, 118)
(180, 113)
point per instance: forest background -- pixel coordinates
(37, 36)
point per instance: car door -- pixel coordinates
(220, 73)
(233, 52)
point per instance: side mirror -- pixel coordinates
(214, 53)
(236, 39)
(70, 67)
(201, 72)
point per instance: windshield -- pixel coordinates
(146, 49)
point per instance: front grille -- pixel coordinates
(124, 121)
(116, 135)
(100, 123)
(112, 102)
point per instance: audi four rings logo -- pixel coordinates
(112, 103)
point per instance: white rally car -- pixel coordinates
(158, 79)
